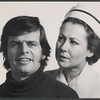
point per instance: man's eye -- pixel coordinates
(32, 44)
(14, 44)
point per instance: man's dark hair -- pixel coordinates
(92, 39)
(21, 25)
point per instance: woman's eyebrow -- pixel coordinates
(73, 38)
(61, 34)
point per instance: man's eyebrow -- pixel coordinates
(13, 41)
(32, 42)
(27, 41)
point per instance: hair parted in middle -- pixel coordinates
(19, 26)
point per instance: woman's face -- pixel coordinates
(71, 47)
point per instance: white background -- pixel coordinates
(51, 15)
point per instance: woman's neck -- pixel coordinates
(72, 72)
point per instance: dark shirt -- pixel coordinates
(38, 85)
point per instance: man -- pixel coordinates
(26, 51)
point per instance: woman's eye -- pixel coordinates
(61, 38)
(73, 42)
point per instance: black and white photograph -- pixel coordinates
(50, 49)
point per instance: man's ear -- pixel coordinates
(90, 54)
(5, 56)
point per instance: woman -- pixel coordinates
(77, 48)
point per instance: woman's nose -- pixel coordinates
(65, 46)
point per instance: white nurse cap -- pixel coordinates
(89, 13)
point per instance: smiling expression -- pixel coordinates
(24, 53)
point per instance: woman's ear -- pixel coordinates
(90, 54)
(43, 56)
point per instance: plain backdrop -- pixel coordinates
(51, 14)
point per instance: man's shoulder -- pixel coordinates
(2, 88)
(52, 73)
(60, 88)
(57, 84)
(2, 85)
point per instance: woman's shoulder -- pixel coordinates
(52, 73)
(93, 72)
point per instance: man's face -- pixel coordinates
(24, 53)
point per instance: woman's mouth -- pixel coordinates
(63, 57)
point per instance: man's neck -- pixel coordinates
(19, 77)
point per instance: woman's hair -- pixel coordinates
(19, 26)
(93, 39)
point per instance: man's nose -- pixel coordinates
(24, 48)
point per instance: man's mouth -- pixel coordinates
(24, 60)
